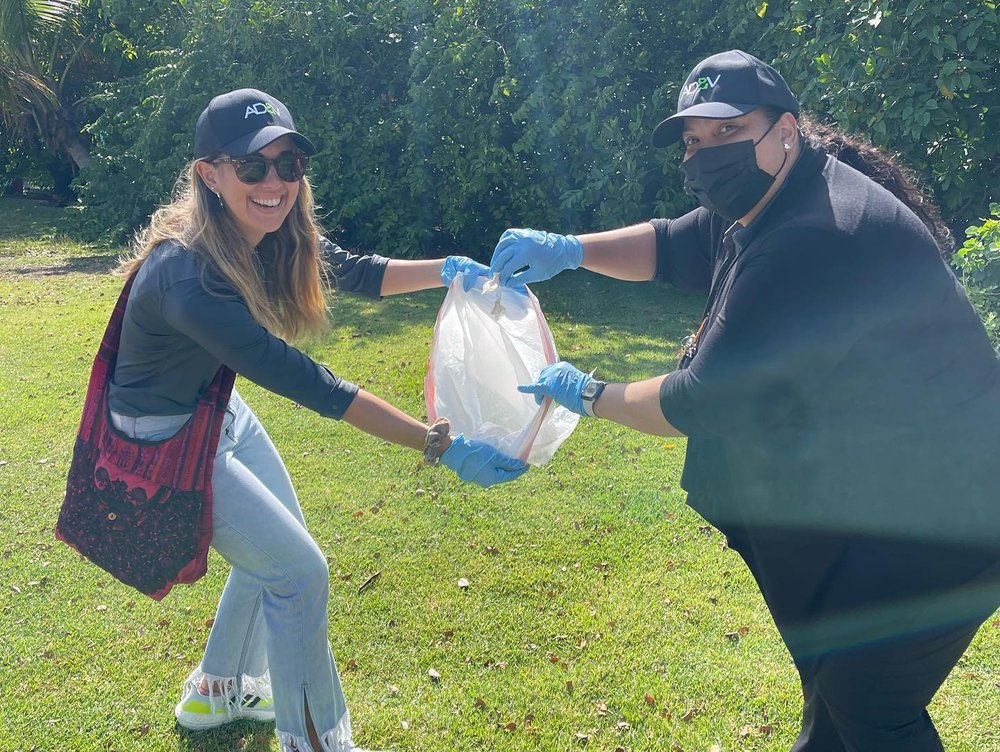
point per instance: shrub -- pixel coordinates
(916, 78)
(978, 261)
(440, 123)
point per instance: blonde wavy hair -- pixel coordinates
(283, 280)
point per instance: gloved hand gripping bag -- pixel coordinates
(486, 342)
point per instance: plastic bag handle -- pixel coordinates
(533, 429)
(549, 346)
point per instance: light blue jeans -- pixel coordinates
(273, 611)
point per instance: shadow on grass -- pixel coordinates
(246, 736)
(29, 219)
(94, 264)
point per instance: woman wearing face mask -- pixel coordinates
(840, 397)
(224, 275)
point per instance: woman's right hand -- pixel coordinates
(545, 254)
(462, 265)
(479, 463)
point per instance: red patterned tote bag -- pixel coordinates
(142, 510)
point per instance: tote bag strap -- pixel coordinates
(102, 370)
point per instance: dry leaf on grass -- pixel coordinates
(368, 582)
(750, 731)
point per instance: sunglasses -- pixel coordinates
(253, 168)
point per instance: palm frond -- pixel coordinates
(58, 15)
(22, 95)
(22, 20)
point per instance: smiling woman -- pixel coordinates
(259, 189)
(224, 275)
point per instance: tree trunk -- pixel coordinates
(60, 134)
(78, 152)
(62, 172)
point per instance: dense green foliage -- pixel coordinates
(50, 60)
(914, 77)
(438, 126)
(979, 263)
(440, 123)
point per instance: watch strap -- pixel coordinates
(595, 389)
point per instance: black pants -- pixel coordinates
(874, 626)
(876, 697)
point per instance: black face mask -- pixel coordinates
(726, 179)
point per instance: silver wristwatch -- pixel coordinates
(590, 394)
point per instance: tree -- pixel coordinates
(916, 78)
(47, 57)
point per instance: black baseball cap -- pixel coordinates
(242, 122)
(726, 85)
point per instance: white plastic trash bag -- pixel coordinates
(486, 342)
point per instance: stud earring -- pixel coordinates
(787, 147)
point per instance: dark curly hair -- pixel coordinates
(884, 169)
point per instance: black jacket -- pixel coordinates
(843, 382)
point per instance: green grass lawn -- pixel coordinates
(598, 608)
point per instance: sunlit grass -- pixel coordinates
(601, 612)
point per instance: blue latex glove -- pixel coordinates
(544, 253)
(455, 265)
(563, 383)
(480, 463)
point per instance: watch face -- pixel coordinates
(590, 391)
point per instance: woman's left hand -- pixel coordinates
(455, 265)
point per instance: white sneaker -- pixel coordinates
(223, 704)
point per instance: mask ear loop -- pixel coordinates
(788, 147)
(769, 129)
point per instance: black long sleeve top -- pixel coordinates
(842, 380)
(183, 320)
